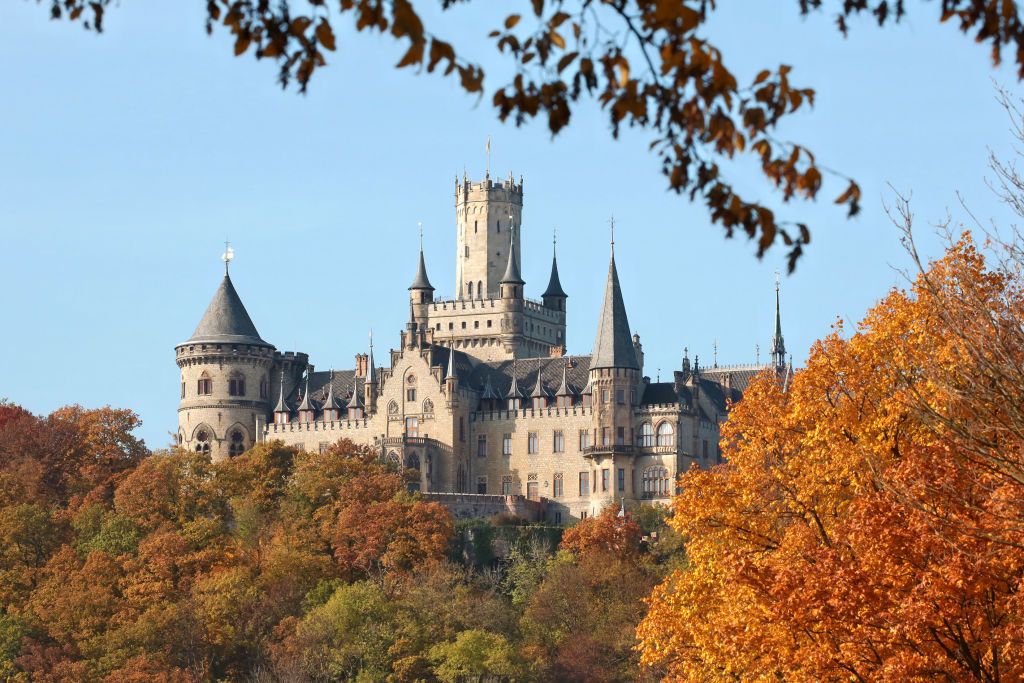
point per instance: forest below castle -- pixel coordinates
(867, 525)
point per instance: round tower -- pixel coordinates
(421, 293)
(512, 300)
(225, 378)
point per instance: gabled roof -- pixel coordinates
(613, 347)
(226, 321)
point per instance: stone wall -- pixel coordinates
(482, 506)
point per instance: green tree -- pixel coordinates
(475, 655)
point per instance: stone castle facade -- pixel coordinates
(479, 397)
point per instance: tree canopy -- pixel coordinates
(647, 63)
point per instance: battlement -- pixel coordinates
(488, 189)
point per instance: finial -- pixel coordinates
(659, 375)
(714, 346)
(371, 337)
(757, 354)
(777, 276)
(420, 224)
(488, 156)
(228, 254)
(686, 352)
(611, 222)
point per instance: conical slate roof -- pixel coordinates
(421, 281)
(554, 284)
(512, 275)
(226, 320)
(613, 347)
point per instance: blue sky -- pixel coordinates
(128, 157)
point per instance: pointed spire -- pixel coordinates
(513, 390)
(778, 344)
(330, 403)
(512, 276)
(226, 321)
(613, 347)
(357, 400)
(371, 371)
(563, 388)
(538, 389)
(281, 407)
(306, 405)
(421, 281)
(554, 284)
(450, 370)
(489, 394)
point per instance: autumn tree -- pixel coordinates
(866, 524)
(646, 63)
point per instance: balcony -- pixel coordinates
(609, 449)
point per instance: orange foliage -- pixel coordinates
(607, 532)
(867, 523)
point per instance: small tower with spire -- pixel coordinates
(512, 302)
(225, 376)
(614, 378)
(370, 387)
(778, 343)
(421, 292)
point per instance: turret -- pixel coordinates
(370, 385)
(421, 292)
(306, 408)
(614, 373)
(225, 377)
(330, 407)
(554, 296)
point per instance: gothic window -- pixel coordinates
(460, 479)
(481, 484)
(557, 486)
(412, 461)
(236, 446)
(475, 226)
(646, 434)
(470, 289)
(655, 482)
(392, 408)
(665, 434)
(428, 407)
(263, 388)
(202, 441)
(204, 385)
(236, 385)
(412, 427)
(392, 458)
(480, 288)
(531, 443)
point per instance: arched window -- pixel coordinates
(666, 434)
(202, 440)
(470, 289)
(646, 434)
(428, 407)
(392, 408)
(474, 226)
(236, 442)
(392, 459)
(656, 481)
(460, 479)
(480, 288)
(204, 387)
(412, 461)
(430, 467)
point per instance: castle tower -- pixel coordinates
(554, 296)
(614, 377)
(486, 213)
(225, 378)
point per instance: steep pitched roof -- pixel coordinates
(613, 347)
(512, 275)
(554, 284)
(226, 320)
(421, 281)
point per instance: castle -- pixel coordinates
(479, 398)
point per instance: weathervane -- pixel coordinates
(777, 276)
(420, 224)
(228, 254)
(611, 222)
